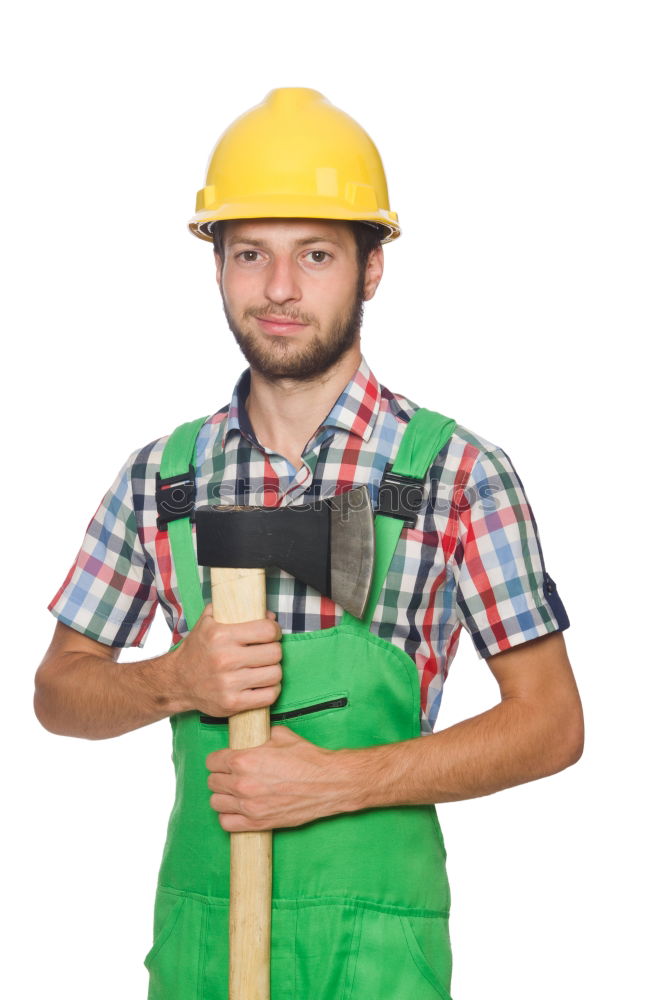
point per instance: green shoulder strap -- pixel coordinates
(178, 456)
(426, 434)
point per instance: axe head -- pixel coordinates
(328, 544)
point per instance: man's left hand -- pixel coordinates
(285, 782)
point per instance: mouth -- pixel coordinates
(280, 326)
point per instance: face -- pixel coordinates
(292, 293)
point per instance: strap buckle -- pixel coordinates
(175, 498)
(400, 496)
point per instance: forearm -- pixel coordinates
(535, 730)
(97, 698)
(508, 745)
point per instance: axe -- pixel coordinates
(329, 545)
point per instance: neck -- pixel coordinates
(286, 413)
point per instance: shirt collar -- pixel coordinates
(354, 411)
(238, 419)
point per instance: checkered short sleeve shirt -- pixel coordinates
(472, 560)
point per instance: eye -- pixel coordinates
(243, 255)
(318, 254)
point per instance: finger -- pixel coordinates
(259, 677)
(225, 784)
(259, 698)
(225, 804)
(282, 734)
(261, 654)
(219, 760)
(236, 823)
(259, 630)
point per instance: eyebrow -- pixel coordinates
(298, 243)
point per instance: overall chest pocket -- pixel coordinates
(328, 704)
(301, 717)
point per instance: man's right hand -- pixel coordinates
(80, 689)
(220, 670)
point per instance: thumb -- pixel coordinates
(281, 735)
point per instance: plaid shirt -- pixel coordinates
(472, 559)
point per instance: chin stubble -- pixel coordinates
(278, 361)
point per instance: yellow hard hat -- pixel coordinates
(295, 155)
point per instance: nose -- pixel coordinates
(282, 282)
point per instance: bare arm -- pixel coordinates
(81, 689)
(535, 730)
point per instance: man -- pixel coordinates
(297, 207)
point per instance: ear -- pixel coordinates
(373, 272)
(218, 260)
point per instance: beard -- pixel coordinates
(283, 358)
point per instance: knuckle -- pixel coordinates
(267, 629)
(240, 764)
(232, 703)
(227, 660)
(272, 653)
(207, 623)
(251, 810)
(246, 787)
(223, 636)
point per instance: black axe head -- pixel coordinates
(328, 544)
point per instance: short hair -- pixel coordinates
(367, 235)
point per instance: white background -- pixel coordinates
(522, 146)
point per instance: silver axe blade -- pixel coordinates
(328, 544)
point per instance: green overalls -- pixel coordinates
(360, 900)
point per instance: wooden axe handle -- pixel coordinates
(239, 595)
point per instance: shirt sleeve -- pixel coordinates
(505, 595)
(109, 594)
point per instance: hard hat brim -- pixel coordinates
(276, 207)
